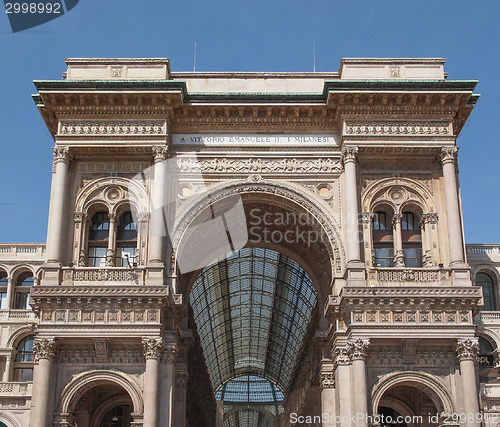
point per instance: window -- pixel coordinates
(486, 282)
(383, 246)
(3, 289)
(23, 288)
(412, 240)
(98, 239)
(126, 241)
(23, 366)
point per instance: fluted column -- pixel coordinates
(349, 155)
(357, 349)
(158, 231)
(56, 212)
(43, 353)
(467, 350)
(327, 387)
(455, 239)
(111, 250)
(153, 350)
(399, 255)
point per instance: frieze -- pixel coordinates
(259, 165)
(112, 127)
(411, 316)
(87, 354)
(95, 314)
(406, 128)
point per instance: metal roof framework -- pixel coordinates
(252, 309)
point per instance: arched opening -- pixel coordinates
(488, 372)
(118, 416)
(126, 241)
(24, 282)
(252, 310)
(98, 239)
(24, 363)
(485, 281)
(4, 283)
(383, 239)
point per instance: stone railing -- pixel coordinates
(488, 318)
(15, 389)
(16, 315)
(406, 276)
(121, 275)
(16, 251)
(483, 253)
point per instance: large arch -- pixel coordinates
(419, 380)
(82, 383)
(274, 193)
(9, 420)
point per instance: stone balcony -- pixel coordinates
(98, 275)
(22, 252)
(15, 389)
(483, 253)
(16, 316)
(435, 276)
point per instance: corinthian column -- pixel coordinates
(43, 352)
(453, 219)
(56, 211)
(399, 255)
(467, 350)
(153, 349)
(168, 383)
(343, 404)
(327, 387)
(158, 231)
(349, 155)
(357, 349)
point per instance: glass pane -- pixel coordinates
(22, 300)
(413, 257)
(25, 350)
(379, 221)
(23, 374)
(97, 257)
(25, 279)
(384, 257)
(122, 254)
(3, 278)
(3, 300)
(100, 222)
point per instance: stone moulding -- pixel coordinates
(112, 128)
(406, 128)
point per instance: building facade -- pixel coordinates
(252, 249)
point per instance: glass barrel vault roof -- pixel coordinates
(252, 309)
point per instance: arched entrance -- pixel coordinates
(409, 400)
(101, 399)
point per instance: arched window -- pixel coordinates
(486, 282)
(412, 239)
(126, 241)
(3, 289)
(98, 239)
(24, 283)
(383, 241)
(23, 366)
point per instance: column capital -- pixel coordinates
(143, 216)
(44, 348)
(170, 352)
(160, 153)
(467, 348)
(357, 348)
(61, 154)
(349, 154)
(181, 379)
(326, 380)
(449, 155)
(152, 347)
(396, 219)
(366, 217)
(79, 217)
(340, 356)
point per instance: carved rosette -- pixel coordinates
(449, 155)
(326, 380)
(61, 155)
(160, 153)
(467, 349)
(357, 348)
(349, 154)
(181, 379)
(152, 347)
(170, 352)
(44, 348)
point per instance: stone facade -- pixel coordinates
(367, 155)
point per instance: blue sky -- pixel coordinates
(271, 35)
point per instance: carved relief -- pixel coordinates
(44, 348)
(327, 380)
(181, 379)
(112, 127)
(419, 128)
